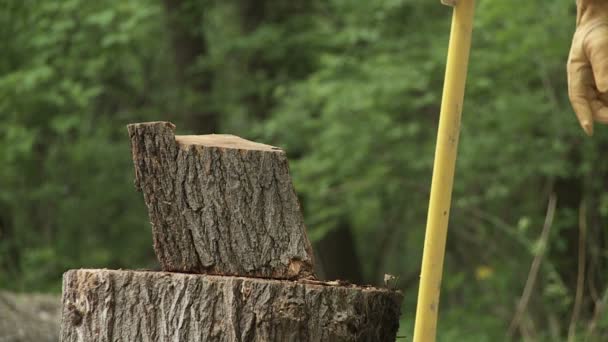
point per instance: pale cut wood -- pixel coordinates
(108, 306)
(220, 204)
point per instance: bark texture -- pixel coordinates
(105, 305)
(220, 204)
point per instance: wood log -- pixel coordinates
(107, 306)
(220, 204)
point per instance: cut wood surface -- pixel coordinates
(106, 305)
(220, 204)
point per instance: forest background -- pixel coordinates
(351, 90)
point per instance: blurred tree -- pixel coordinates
(186, 22)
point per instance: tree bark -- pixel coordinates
(220, 204)
(106, 305)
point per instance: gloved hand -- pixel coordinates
(588, 64)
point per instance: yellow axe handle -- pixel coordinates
(425, 328)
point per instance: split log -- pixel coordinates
(220, 204)
(106, 305)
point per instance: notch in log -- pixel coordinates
(220, 204)
(106, 305)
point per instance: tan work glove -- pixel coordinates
(588, 64)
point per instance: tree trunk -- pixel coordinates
(337, 256)
(220, 204)
(185, 19)
(272, 70)
(105, 305)
(11, 261)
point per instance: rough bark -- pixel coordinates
(106, 305)
(220, 204)
(29, 317)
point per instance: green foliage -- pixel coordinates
(65, 191)
(352, 91)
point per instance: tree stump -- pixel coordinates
(225, 208)
(107, 306)
(220, 204)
